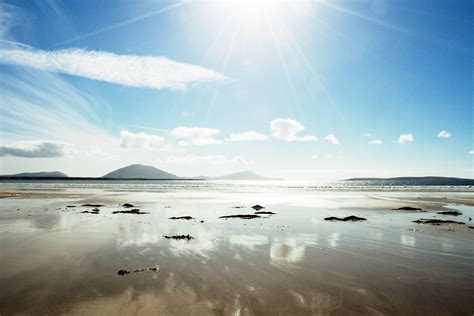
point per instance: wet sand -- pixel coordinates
(57, 259)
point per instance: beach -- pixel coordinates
(61, 256)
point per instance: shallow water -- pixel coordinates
(58, 260)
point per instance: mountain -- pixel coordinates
(243, 175)
(418, 180)
(139, 172)
(43, 174)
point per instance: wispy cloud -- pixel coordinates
(375, 142)
(287, 129)
(315, 156)
(141, 141)
(208, 159)
(367, 134)
(130, 70)
(471, 152)
(332, 139)
(196, 135)
(248, 136)
(34, 149)
(444, 134)
(405, 138)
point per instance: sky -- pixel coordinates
(304, 90)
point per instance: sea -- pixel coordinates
(243, 186)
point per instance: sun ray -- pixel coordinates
(121, 24)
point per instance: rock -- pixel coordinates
(257, 207)
(123, 272)
(265, 212)
(453, 213)
(243, 216)
(70, 206)
(351, 218)
(407, 208)
(182, 217)
(94, 211)
(179, 237)
(132, 211)
(92, 205)
(436, 222)
(127, 205)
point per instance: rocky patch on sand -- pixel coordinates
(92, 205)
(453, 213)
(180, 237)
(93, 211)
(125, 272)
(434, 221)
(127, 205)
(258, 207)
(182, 217)
(135, 211)
(242, 216)
(265, 213)
(351, 218)
(407, 208)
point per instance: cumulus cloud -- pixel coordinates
(405, 138)
(208, 159)
(332, 139)
(444, 134)
(137, 71)
(471, 152)
(375, 142)
(196, 135)
(141, 140)
(247, 137)
(34, 149)
(287, 129)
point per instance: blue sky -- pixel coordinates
(303, 90)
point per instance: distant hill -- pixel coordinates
(139, 172)
(418, 180)
(243, 175)
(43, 174)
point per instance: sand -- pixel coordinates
(58, 260)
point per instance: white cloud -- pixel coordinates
(196, 135)
(444, 134)
(187, 114)
(367, 135)
(141, 140)
(130, 70)
(375, 142)
(34, 149)
(405, 138)
(208, 159)
(287, 129)
(247, 137)
(315, 156)
(332, 139)
(471, 152)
